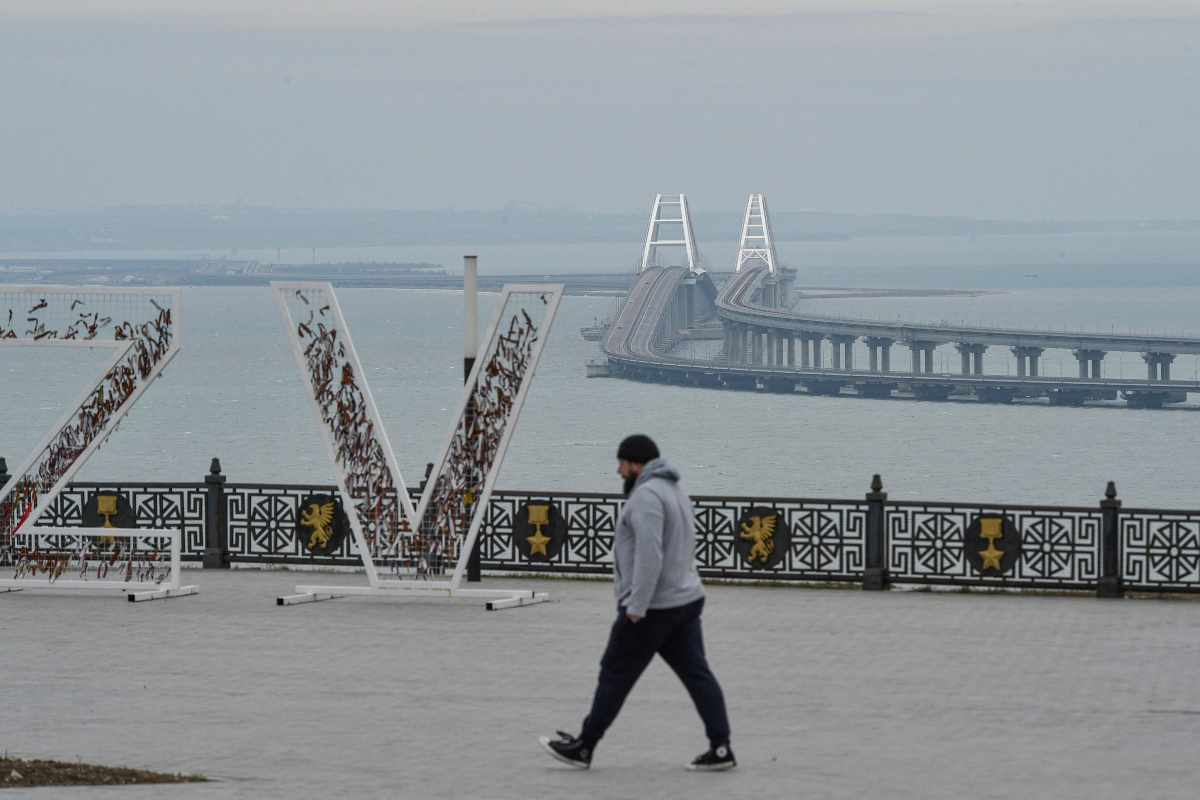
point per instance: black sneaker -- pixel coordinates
(715, 759)
(569, 750)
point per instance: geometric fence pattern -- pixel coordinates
(923, 542)
(1060, 546)
(1160, 548)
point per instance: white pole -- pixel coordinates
(471, 293)
(176, 535)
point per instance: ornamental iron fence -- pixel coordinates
(874, 542)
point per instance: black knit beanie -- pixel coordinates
(639, 449)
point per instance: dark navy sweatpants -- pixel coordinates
(674, 634)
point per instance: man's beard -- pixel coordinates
(629, 483)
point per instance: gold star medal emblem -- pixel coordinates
(539, 515)
(991, 528)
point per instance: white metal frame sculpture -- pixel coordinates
(140, 573)
(383, 522)
(51, 316)
(679, 227)
(757, 244)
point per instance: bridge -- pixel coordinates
(766, 345)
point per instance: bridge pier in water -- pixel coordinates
(879, 352)
(1089, 362)
(1027, 360)
(922, 357)
(843, 352)
(810, 351)
(1158, 366)
(972, 357)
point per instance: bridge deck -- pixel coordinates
(734, 303)
(636, 347)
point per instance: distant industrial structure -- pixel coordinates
(765, 345)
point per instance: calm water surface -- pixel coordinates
(234, 392)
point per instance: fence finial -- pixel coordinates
(215, 467)
(1110, 491)
(876, 483)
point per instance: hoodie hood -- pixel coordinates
(658, 468)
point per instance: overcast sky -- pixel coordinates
(1016, 110)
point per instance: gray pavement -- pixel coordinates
(832, 693)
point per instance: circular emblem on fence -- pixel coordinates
(539, 531)
(992, 544)
(762, 537)
(321, 524)
(108, 510)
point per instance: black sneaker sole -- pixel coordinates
(570, 762)
(724, 766)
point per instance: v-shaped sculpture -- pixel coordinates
(401, 547)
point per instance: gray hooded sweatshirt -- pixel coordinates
(654, 550)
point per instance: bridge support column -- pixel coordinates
(922, 357)
(879, 346)
(1158, 366)
(1027, 360)
(843, 352)
(972, 357)
(1089, 362)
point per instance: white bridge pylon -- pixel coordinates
(670, 212)
(757, 246)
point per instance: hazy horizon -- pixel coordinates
(992, 111)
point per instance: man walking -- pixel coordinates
(659, 601)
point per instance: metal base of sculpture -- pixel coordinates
(102, 560)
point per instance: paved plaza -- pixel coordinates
(832, 694)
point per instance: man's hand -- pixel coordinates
(634, 618)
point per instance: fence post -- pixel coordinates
(474, 561)
(875, 575)
(216, 531)
(1109, 584)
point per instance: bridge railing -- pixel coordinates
(874, 542)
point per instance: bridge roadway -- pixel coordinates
(633, 335)
(637, 345)
(734, 303)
